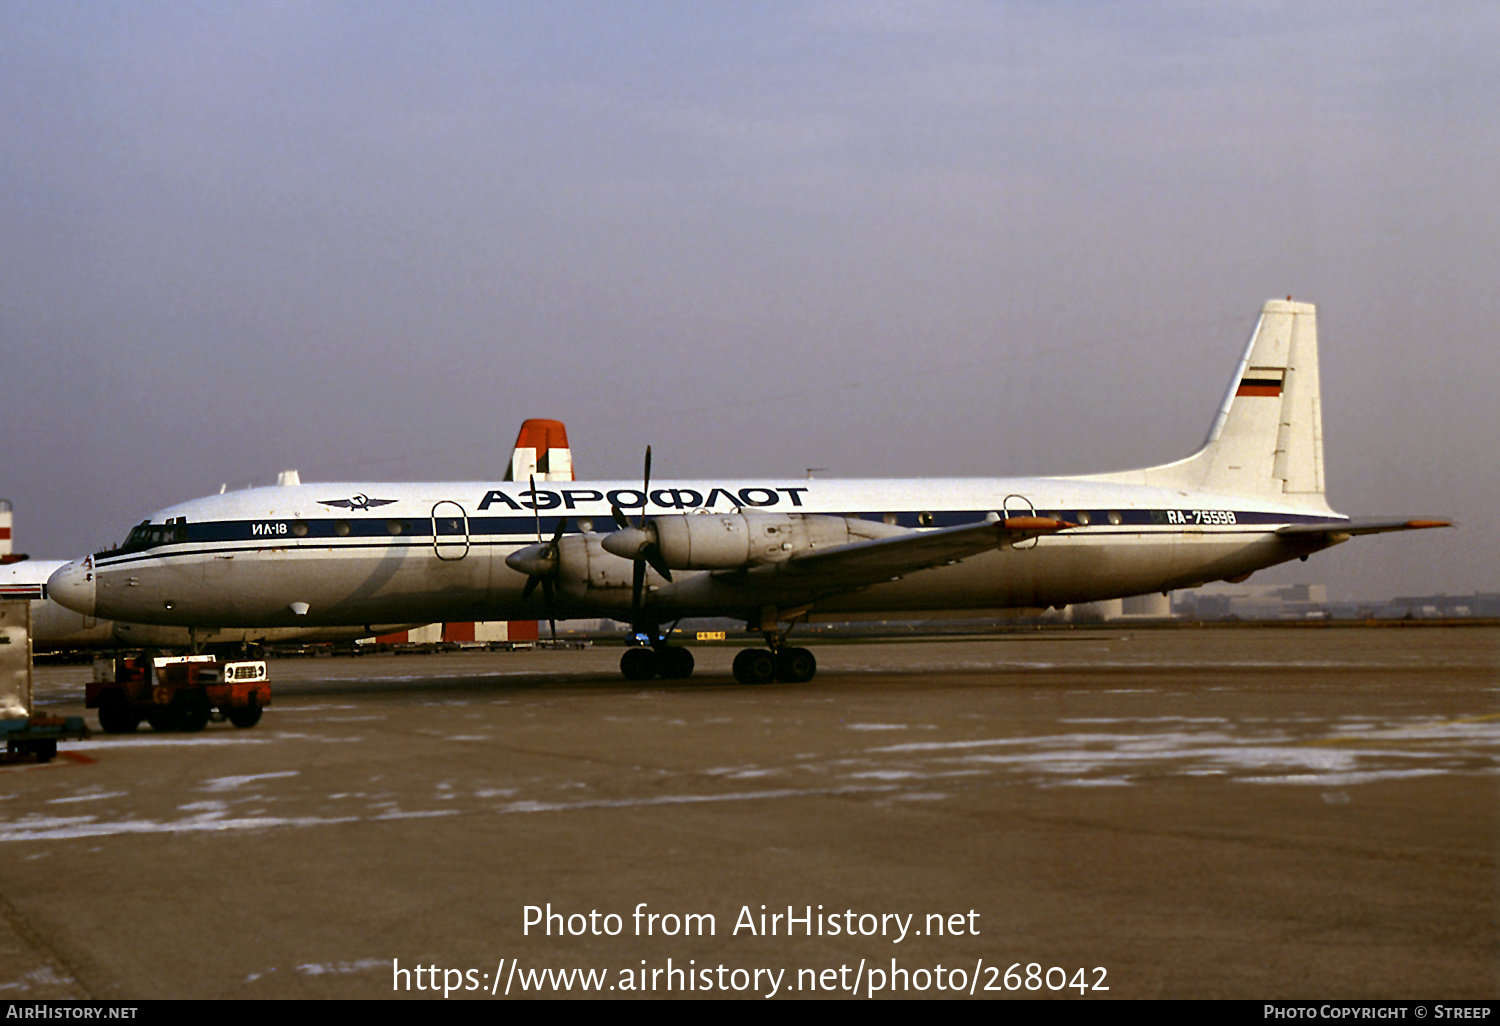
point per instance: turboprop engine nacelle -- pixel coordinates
(578, 567)
(733, 541)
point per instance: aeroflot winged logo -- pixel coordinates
(357, 502)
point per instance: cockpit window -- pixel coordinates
(139, 537)
(147, 535)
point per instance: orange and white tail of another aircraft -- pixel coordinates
(541, 452)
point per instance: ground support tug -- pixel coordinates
(176, 692)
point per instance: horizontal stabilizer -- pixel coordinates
(1365, 525)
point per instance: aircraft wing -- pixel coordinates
(860, 564)
(1364, 525)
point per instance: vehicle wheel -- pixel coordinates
(795, 665)
(245, 716)
(675, 663)
(118, 718)
(45, 751)
(193, 718)
(638, 664)
(162, 718)
(755, 666)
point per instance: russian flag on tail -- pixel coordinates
(1262, 381)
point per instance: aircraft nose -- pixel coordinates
(72, 585)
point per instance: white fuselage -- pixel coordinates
(359, 553)
(767, 552)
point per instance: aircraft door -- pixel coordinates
(450, 530)
(1020, 506)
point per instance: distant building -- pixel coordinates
(1154, 606)
(1254, 602)
(1479, 604)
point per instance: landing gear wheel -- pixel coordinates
(638, 664)
(755, 666)
(795, 665)
(674, 663)
(118, 718)
(245, 716)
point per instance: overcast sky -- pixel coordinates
(889, 239)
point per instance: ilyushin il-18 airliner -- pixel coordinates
(771, 553)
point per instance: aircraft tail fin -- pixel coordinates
(541, 451)
(1267, 440)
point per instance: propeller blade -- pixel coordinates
(547, 602)
(652, 554)
(621, 520)
(530, 589)
(536, 511)
(645, 548)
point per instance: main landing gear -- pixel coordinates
(763, 665)
(662, 660)
(776, 662)
(669, 662)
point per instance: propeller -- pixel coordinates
(638, 543)
(540, 563)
